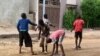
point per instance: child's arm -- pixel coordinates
(18, 26)
(39, 32)
(32, 23)
(72, 28)
(51, 25)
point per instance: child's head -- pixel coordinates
(23, 15)
(45, 16)
(78, 17)
(48, 40)
(40, 22)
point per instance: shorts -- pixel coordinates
(59, 40)
(78, 34)
(25, 37)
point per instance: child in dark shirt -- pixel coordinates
(43, 34)
(44, 31)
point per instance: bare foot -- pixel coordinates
(63, 54)
(51, 55)
(79, 46)
(20, 52)
(34, 53)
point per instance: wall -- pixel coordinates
(53, 14)
(10, 11)
(33, 7)
(73, 2)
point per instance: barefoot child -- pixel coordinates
(40, 27)
(44, 27)
(78, 27)
(57, 37)
(43, 34)
(22, 27)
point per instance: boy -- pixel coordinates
(57, 37)
(44, 27)
(43, 32)
(78, 27)
(22, 27)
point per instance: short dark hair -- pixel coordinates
(23, 15)
(45, 16)
(40, 22)
(78, 17)
(48, 40)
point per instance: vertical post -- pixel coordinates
(35, 8)
(62, 10)
(43, 8)
(37, 11)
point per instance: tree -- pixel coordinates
(90, 12)
(68, 18)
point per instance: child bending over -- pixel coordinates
(57, 37)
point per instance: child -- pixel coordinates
(46, 21)
(78, 27)
(40, 27)
(57, 37)
(22, 27)
(43, 32)
(45, 29)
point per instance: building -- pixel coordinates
(52, 9)
(11, 10)
(74, 4)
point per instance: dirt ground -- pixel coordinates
(90, 46)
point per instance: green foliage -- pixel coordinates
(68, 19)
(91, 12)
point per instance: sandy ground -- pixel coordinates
(90, 45)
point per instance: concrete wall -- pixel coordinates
(10, 11)
(72, 2)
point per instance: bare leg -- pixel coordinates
(56, 48)
(53, 50)
(80, 42)
(42, 44)
(42, 48)
(32, 50)
(62, 49)
(39, 34)
(46, 45)
(20, 47)
(76, 39)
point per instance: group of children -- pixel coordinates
(44, 34)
